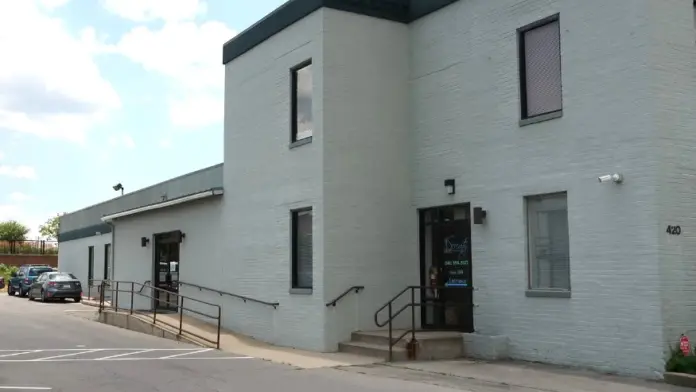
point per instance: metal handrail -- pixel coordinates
(352, 288)
(179, 306)
(242, 297)
(413, 305)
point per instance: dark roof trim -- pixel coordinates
(403, 11)
(217, 191)
(85, 232)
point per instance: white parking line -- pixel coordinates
(189, 353)
(67, 355)
(19, 353)
(123, 355)
(26, 388)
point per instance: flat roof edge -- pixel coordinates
(403, 11)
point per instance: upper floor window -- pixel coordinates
(302, 120)
(540, 69)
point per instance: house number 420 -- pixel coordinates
(674, 230)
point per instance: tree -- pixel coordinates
(12, 230)
(50, 228)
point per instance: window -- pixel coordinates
(548, 242)
(540, 69)
(90, 264)
(302, 249)
(107, 262)
(302, 119)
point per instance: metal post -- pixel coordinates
(219, 325)
(154, 317)
(390, 331)
(116, 299)
(413, 314)
(132, 294)
(181, 315)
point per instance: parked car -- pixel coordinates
(25, 276)
(56, 285)
(2, 282)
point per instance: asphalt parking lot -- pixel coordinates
(55, 347)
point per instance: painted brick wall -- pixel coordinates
(673, 84)
(264, 180)
(465, 113)
(198, 253)
(73, 257)
(370, 229)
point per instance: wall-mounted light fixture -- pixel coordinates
(119, 187)
(479, 215)
(616, 178)
(144, 241)
(97, 233)
(449, 186)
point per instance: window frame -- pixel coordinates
(526, 119)
(294, 141)
(530, 232)
(295, 288)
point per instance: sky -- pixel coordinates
(97, 92)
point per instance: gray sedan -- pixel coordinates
(56, 285)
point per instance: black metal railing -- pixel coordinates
(29, 247)
(413, 304)
(355, 289)
(135, 289)
(221, 293)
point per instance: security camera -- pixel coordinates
(616, 177)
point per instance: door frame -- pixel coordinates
(421, 251)
(177, 237)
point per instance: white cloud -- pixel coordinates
(121, 140)
(19, 197)
(186, 51)
(20, 171)
(147, 10)
(53, 4)
(16, 212)
(165, 142)
(56, 91)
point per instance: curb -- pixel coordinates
(680, 379)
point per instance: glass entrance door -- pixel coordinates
(166, 272)
(446, 268)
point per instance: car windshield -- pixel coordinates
(61, 277)
(38, 271)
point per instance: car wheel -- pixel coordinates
(78, 299)
(9, 291)
(43, 296)
(30, 297)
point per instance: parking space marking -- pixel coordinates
(67, 355)
(189, 353)
(110, 354)
(19, 353)
(123, 355)
(26, 388)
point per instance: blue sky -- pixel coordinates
(105, 91)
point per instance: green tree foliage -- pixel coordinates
(50, 228)
(12, 230)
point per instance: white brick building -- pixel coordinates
(345, 119)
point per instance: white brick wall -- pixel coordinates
(672, 81)
(198, 253)
(465, 112)
(370, 229)
(264, 180)
(73, 257)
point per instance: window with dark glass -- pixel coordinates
(302, 119)
(548, 242)
(540, 68)
(302, 263)
(90, 263)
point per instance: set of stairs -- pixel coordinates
(432, 345)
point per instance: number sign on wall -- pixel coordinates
(674, 230)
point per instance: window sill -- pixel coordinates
(300, 291)
(547, 294)
(541, 118)
(300, 142)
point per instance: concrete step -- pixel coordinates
(373, 350)
(432, 345)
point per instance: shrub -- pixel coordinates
(6, 271)
(679, 363)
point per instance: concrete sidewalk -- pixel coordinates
(476, 376)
